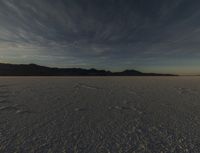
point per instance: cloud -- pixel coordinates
(99, 31)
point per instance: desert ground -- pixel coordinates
(100, 115)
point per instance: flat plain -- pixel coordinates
(100, 114)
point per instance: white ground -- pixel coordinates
(100, 115)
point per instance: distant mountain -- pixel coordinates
(37, 70)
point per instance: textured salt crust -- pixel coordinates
(100, 115)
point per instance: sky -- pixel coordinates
(147, 35)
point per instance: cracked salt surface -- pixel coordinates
(100, 114)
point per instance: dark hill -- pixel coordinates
(37, 70)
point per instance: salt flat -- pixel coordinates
(99, 114)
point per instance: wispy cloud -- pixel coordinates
(99, 31)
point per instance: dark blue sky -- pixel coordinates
(149, 35)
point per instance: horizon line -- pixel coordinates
(107, 70)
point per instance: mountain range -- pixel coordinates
(37, 70)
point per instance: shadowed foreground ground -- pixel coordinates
(100, 115)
